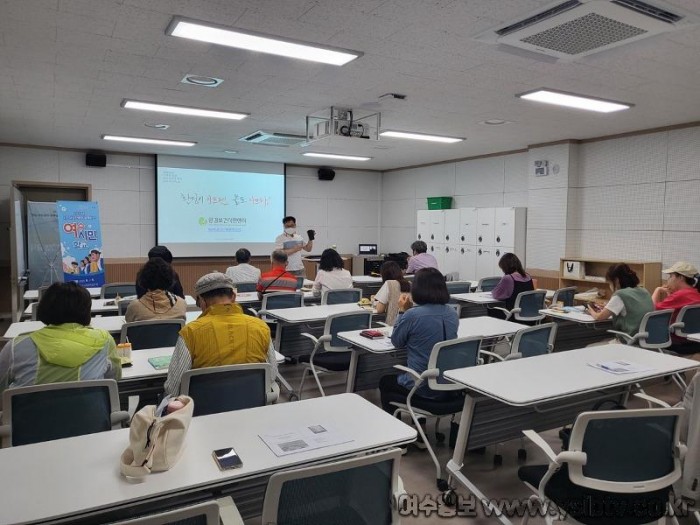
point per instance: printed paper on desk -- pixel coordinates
(620, 367)
(303, 439)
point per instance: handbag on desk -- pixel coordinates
(156, 442)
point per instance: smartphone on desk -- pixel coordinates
(227, 458)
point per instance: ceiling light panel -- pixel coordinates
(183, 110)
(231, 37)
(421, 136)
(335, 157)
(140, 140)
(572, 100)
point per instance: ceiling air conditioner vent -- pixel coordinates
(577, 28)
(273, 139)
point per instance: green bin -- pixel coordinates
(439, 203)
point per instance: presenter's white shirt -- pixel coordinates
(285, 242)
(243, 273)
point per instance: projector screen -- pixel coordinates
(212, 207)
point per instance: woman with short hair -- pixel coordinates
(66, 349)
(331, 275)
(156, 277)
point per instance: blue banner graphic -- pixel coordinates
(81, 242)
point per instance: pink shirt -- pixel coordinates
(420, 261)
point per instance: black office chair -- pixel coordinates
(207, 513)
(348, 295)
(122, 305)
(564, 295)
(486, 284)
(156, 333)
(227, 388)
(300, 283)
(112, 290)
(246, 287)
(33, 414)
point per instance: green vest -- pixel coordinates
(637, 302)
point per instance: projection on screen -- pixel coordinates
(213, 212)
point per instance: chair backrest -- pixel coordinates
(458, 287)
(246, 287)
(345, 322)
(347, 295)
(530, 304)
(486, 284)
(111, 290)
(628, 451)
(155, 333)
(206, 513)
(656, 326)
(357, 490)
(565, 296)
(533, 341)
(122, 305)
(278, 300)
(227, 388)
(58, 410)
(450, 355)
(690, 317)
(300, 282)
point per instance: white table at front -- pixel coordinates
(33, 295)
(475, 297)
(105, 306)
(112, 324)
(365, 350)
(694, 337)
(525, 389)
(77, 480)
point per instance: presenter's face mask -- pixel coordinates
(290, 230)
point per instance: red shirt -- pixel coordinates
(676, 301)
(277, 280)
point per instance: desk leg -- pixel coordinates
(277, 344)
(454, 466)
(352, 371)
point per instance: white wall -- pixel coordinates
(492, 181)
(125, 191)
(344, 212)
(637, 198)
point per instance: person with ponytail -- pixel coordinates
(682, 288)
(629, 301)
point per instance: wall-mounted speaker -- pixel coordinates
(326, 174)
(96, 160)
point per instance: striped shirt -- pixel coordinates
(277, 280)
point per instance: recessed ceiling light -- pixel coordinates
(226, 36)
(230, 151)
(420, 136)
(182, 110)
(334, 156)
(572, 100)
(199, 80)
(494, 122)
(156, 126)
(163, 142)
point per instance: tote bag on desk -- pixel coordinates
(156, 442)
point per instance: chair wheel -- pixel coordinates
(442, 485)
(522, 454)
(449, 498)
(293, 396)
(497, 460)
(439, 437)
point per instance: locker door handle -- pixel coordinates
(498, 252)
(480, 238)
(462, 237)
(419, 237)
(480, 252)
(432, 237)
(447, 250)
(447, 237)
(462, 250)
(498, 239)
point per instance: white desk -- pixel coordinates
(487, 327)
(544, 392)
(307, 314)
(366, 279)
(79, 477)
(103, 306)
(476, 298)
(694, 337)
(33, 295)
(578, 316)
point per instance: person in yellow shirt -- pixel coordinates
(222, 335)
(95, 261)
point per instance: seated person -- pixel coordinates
(243, 272)
(222, 335)
(66, 349)
(682, 289)
(278, 279)
(331, 274)
(514, 281)
(394, 284)
(156, 276)
(417, 330)
(162, 252)
(420, 259)
(629, 302)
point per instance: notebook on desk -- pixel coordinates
(160, 363)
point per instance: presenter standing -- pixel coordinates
(291, 243)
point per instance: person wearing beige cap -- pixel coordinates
(682, 289)
(222, 335)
